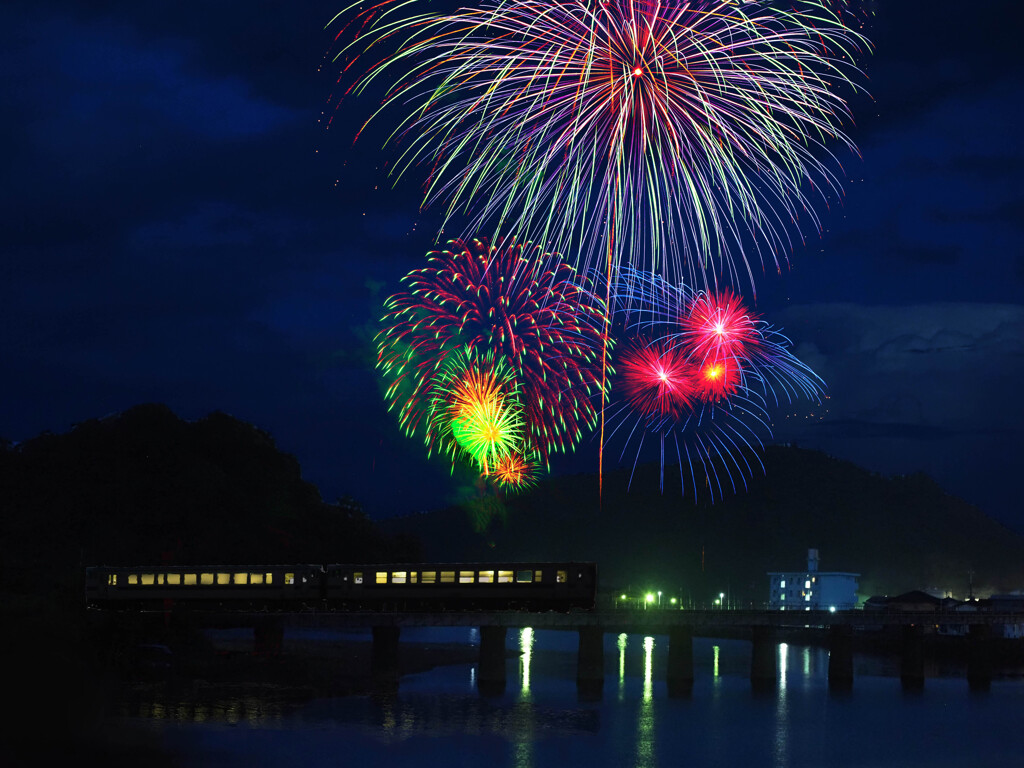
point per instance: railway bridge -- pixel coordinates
(763, 627)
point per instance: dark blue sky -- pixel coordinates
(180, 228)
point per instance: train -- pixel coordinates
(531, 586)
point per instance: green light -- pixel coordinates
(673, 601)
(650, 597)
(623, 597)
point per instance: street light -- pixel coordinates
(721, 599)
(659, 598)
(650, 599)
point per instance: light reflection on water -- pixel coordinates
(437, 718)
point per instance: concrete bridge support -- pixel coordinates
(680, 661)
(490, 678)
(384, 661)
(912, 658)
(763, 663)
(840, 657)
(979, 657)
(590, 663)
(268, 636)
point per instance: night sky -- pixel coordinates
(180, 227)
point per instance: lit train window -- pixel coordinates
(223, 578)
(289, 578)
(148, 579)
(112, 579)
(412, 577)
(538, 575)
(206, 578)
(190, 580)
(447, 577)
(357, 577)
(504, 577)
(239, 578)
(256, 578)
(174, 578)
(382, 577)
(398, 577)
(270, 578)
(133, 579)
(159, 578)
(486, 577)
(524, 577)
(429, 577)
(466, 577)
(560, 577)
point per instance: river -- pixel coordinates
(438, 718)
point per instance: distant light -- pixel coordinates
(623, 597)
(673, 601)
(831, 609)
(650, 597)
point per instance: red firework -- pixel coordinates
(718, 380)
(509, 301)
(657, 379)
(719, 327)
(515, 472)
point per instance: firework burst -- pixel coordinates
(700, 372)
(671, 136)
(511, 303)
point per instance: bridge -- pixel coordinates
(762, 626)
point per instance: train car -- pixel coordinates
(238, 587)
(341, 587)
(460, 586)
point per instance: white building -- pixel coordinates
(812, 589)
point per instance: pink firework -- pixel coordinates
(718, 327)
(657, 379)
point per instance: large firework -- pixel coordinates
(508, 303)
(680, 137)
(699, 372)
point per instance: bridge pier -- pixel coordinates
(840, 657)
(979, 657)
(384, 661)
(763, 664)
(590, 663)
(680, 661)
(912, 658)
(268, 636)
(490, 678)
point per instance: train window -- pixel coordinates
(206, 578)
(560, 577)
(270, 578)
(256, 578)
(159, 578)
(466, 577)
(174, 578)
(133, 578)
(357, 577)
(289, 578)
(148, 579)
(447, 577)
(538, 574)
(382, 577)
(524, 577)
(240, 578)
(412, 577)
(504, 577)
(223, 578)
(190, 580)
(112, 579)
(398, 577)
(429, 577)
(486, 577)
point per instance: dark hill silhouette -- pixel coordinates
(898, 533)
(144, 486)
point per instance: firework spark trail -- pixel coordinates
(696, 131)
